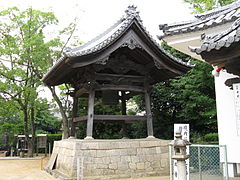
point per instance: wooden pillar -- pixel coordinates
(124, 112)
(149, 114)
(90, 114)
(74, 114)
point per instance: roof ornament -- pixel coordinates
(236, 24)
(67, 49)
(103, 61)
(131, 44)
(158, 64)
(206, 39)
(131, 12)
(163, 27)
(203, 36)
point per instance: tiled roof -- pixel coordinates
(224, 39)
(112, 34)
(202, 21)
(108, 37)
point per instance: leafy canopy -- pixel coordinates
(25, 55)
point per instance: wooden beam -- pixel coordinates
(112, 118)
(120, 87)
(80, 119)
(120, 117)
(119, 77)
(90, 114)
(81, 92)
(131, 94)
(150, 65)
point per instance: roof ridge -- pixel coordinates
(136, 15)
(233, 27)
(165, 27)
(208, 19)
(130, 13)
(199, 21)
(218, 10)
(220, 40)
(68, 49)
(110, 35)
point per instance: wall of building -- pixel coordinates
(227, 121)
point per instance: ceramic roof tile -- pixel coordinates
(209, 19)
(110, 35)
(224, 39)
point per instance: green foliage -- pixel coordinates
(106, 130)
(27, 55)
(109, 130)
(53, 137)
(137, 130)
(10, 131)
(186, 99)
(200, 6)
(101, 130)
(9, 112)
(45, 121)
(196, 97)
(211, 137)
(199, 138)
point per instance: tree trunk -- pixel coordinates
(63, 113)
(74, 114)
(26, 133)
(31, 143)
(30, 147)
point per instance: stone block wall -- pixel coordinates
(110, 159)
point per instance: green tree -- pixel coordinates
(200, 6)
(101, 130)
(27, 53)
(186, 99)
(8, 132)
(9, 112)
(62, 102)
(46, 121)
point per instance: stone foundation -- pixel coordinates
(110, 159)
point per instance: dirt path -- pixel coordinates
(22, 169)
(30, 169)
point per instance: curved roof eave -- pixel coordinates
(224, 39)
(108, 38)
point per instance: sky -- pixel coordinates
(95, 16)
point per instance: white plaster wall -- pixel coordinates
(226, 118)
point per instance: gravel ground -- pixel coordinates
(23, 169)
(30, 169)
